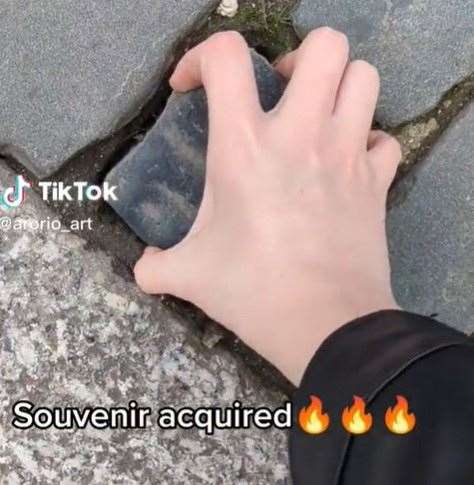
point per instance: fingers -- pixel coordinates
(286, 64)
(165, 272)
(356, 101)
(222, 64)
(316, 70)
(384, 154)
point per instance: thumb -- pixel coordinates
(170, 271)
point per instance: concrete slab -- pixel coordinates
(73, 72)
(74, 333)
(420, 48)
(431, 230)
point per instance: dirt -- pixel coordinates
(420, 134)
(266, 25)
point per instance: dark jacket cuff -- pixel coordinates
(360, 358)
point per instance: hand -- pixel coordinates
(289, 242)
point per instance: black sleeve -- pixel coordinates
(379, 357)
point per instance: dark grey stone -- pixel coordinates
(420, 48)
(161, 181)
(73, 72)
(431, 230)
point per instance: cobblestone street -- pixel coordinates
(85, 97)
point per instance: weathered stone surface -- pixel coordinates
(431, 230)
(74, 333)
(161, 181)
(72, 72)
(420, 48)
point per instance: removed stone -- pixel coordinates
(431, 230)
(74, 72)
(161, 181)
(420, 48)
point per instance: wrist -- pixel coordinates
(289, 337)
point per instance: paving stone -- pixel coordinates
(74, 333)
(161, 181)
(431, 230)
(73, 72)
(420, 48)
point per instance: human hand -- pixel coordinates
(289, 242)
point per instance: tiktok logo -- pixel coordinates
(13, 197)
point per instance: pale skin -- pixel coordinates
(289, 243)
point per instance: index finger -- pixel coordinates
(315, 70)
(223, 66)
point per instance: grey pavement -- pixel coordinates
(421, 48)
(74, 72)
(72, 332)
(431, 230)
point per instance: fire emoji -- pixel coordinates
(312, 419)
(356, 420)
(397, 419)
